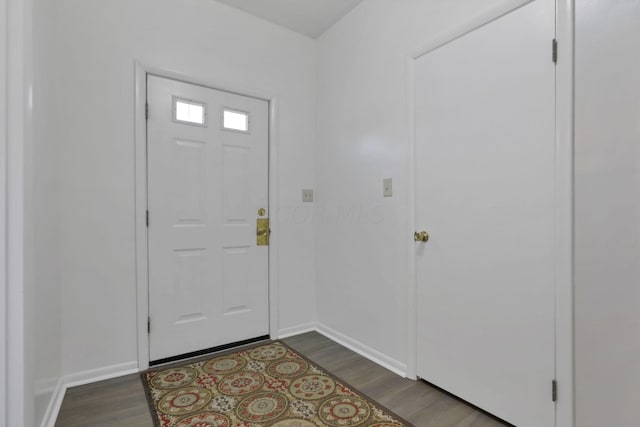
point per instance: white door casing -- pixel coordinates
(208, 280)
(485, 191)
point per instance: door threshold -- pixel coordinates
(208, 351)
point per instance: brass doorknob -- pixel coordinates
(421, 236)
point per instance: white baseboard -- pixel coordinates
(46, 385)
(363, 350)
(100, 374)
(297, 330)
(51, 415)
(354, 345)
(82, 378)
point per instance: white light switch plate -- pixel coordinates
(387, 187)
(307, 196)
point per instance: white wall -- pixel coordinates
(47, 336)
(98, 42)
(363, 137)
(607, 213)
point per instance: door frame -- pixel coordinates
(16, 224)
(141, 231)
(564, 135)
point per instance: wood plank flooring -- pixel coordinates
(121, 401)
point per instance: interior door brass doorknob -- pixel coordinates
(421, 236)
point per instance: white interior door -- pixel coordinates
(485, 193)
(207, 179)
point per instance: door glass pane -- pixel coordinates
(235, 120)
(189, 112)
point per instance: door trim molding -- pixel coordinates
(16, 256)
(5, 248)
(564, 328)
(565, 369)
(140, 137)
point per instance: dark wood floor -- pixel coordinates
(121, 401)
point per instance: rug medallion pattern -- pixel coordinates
(269, 385)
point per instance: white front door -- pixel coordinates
(207, 171)
(485, 192)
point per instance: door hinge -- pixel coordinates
(146, 111)
(554, 51)
(554, 391)
(148, 325)
(147, 218)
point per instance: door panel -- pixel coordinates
(485, 192)
(208, 281)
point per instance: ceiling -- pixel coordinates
(308, 17)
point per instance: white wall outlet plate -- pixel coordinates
(307, 196)
(387, 187)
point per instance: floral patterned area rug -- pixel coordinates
(265, 385)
